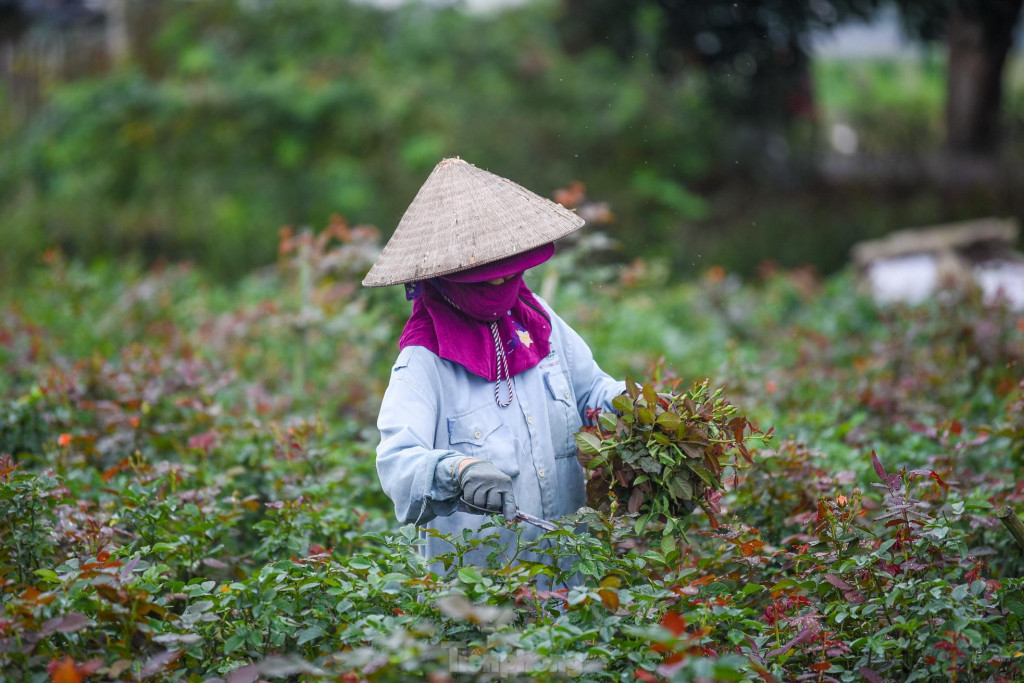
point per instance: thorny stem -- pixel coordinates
(906, 518)
(824, 658)
(775, 624)
(952, 656)
(881, 598)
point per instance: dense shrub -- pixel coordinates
(188, 489)
(234, 118)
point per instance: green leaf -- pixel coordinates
(669, 421)
(233, 643)
(632, 390)
(1016, 607)
(645, 415)
(623, 403)
(47, 575)
(681, 488)
(308, 634)
(650, 395)
(588, 442)
(997, 630)
(640, 523)
(705, 476)
(649, 465)
(470, 575)
(668, 544)
(885, 546)
(784, 583)
(609, 421)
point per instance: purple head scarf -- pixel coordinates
(457, 317)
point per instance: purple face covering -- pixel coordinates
(481, 300)
(452, 319)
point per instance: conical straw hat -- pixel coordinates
(464, 217)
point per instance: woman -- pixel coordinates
(490, 385)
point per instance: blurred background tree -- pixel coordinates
(978, 35)
(195, 130)
(758, 53)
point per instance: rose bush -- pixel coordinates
(176, 505)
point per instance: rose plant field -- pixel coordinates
(188, 492)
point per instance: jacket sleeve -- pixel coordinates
(420, 480)
(594, 388)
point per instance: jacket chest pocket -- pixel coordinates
(480, 433)
(562, 415)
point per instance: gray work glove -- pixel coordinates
(487, 489)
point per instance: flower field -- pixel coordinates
(188, 493)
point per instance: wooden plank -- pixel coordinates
(937, 239)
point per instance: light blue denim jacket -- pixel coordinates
(435, 413)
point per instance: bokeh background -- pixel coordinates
(717, 133)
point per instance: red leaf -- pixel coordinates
(90, 667)
(879, 470)
(64, 671)
(838, 583)
(204, 441)
(249, 673)
(938, 479)
(870, 675)
(160, 662)
(636, 499)
(805, 636)
(72, 622)
(674, 622)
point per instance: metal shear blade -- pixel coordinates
(536, 521)
(466, 506)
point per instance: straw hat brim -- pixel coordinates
(505, 267)
(464, 217)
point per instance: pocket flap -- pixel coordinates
(557, 386)
(473, 427)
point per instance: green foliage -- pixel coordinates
(663, 453)
(236, 118)
(191, 489)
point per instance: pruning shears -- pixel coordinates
(466, 506)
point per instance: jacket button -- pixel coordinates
(529, 420)
(540, 473)
(567, 394)
(477, 434)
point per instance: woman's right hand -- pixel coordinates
(486, 488)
